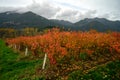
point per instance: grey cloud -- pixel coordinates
(14, 3)
(89, 14)
(14, 9)
(105, 16)
(74, 15)
(49, 11)
(4, 9)
(45, 9)
(115, 16)
(67, 15)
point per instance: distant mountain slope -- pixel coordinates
(30, 19)
(27, 19)
(100, 24)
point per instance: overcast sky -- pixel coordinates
(71, 10)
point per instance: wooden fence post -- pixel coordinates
(26, 51)
(45, 57)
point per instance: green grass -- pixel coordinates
(110, 71)
(15, 67)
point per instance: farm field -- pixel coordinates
(71, 55)
(59, 40)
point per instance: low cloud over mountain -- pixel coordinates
(72, 10)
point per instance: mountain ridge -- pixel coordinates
(30, 19)
(106, 24)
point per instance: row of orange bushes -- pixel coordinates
(58, 44)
